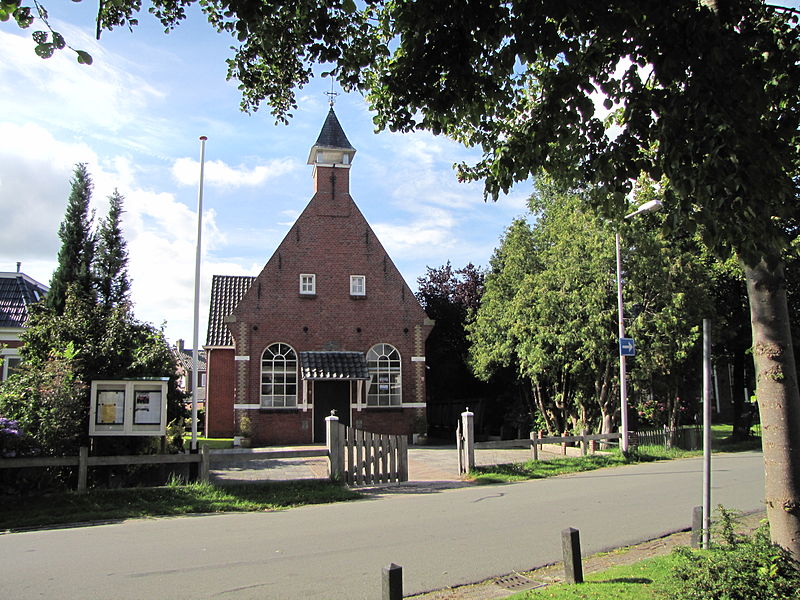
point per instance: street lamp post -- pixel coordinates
(651, 206)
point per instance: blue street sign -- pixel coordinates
(627, 347)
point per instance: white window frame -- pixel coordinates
(358, 285)
(279, 374)
(5, 368)
(308, 284)
(385, 376)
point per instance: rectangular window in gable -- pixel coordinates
(308, 283)
(358, 285)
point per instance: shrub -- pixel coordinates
(739, 567)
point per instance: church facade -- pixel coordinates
(328, 325)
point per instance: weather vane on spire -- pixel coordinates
(332, 95)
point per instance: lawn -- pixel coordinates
(613, 458)
(212, 443)
(645, 580)
(171, 500)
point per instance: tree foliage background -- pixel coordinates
(550, 311)
(88, 333)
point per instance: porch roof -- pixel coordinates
(333, 365)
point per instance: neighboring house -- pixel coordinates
(185, 361)
(329, 324)
(17, 293)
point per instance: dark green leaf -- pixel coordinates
(44, 50)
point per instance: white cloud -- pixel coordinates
(97, 101)
(187, 172)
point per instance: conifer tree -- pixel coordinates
(111, 260)
(77, 245)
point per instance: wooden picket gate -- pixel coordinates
(371, 458)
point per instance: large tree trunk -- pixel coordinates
(778, 401)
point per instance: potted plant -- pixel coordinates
(245, 431)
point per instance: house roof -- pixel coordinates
(186, 360)
(333, 365)
(332, 134)
(17, 293)
(226, 292)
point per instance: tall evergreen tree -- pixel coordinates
(77, 245)
(111, 260)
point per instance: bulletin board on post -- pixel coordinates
(129, 407)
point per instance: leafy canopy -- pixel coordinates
(704, 92)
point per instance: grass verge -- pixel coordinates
(171, 500)
(212, 443)
(646, 580)
(613, 458)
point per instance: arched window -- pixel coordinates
(385, 384)
(278, 376)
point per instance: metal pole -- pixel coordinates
(196, 335)
(623, 384)
(706, 432)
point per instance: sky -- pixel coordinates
(135, 117)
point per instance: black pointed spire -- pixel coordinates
(332, 134)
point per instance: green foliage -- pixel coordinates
(77, 245)
(550, 309)
(450, 297)
(85, 330)
(739, 567)
(47, 42)
(50, 404)
(110, 264)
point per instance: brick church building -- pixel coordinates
(328, 324)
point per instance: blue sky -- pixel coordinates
(135, 117)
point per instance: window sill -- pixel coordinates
(393, 408)
(308, 296)
(278, 409)
(358, 296)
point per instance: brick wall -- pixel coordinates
(277, 427)
(220, 392)
(332, 240)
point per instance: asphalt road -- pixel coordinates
(337, 551)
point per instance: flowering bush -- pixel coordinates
(10, 437)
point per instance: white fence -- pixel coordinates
(466, 444)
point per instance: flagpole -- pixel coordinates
(196, 336)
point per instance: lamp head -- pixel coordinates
(651, 206)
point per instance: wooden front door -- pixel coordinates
(330, 395)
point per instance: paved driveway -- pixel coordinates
(425, 464)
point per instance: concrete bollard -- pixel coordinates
(392, 582)
(571, 549)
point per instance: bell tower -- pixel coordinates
(332, 154)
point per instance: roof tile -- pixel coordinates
(226, 292)
(333, 365)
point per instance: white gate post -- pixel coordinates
(468, 427)
(335, 448)
(534, 445)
